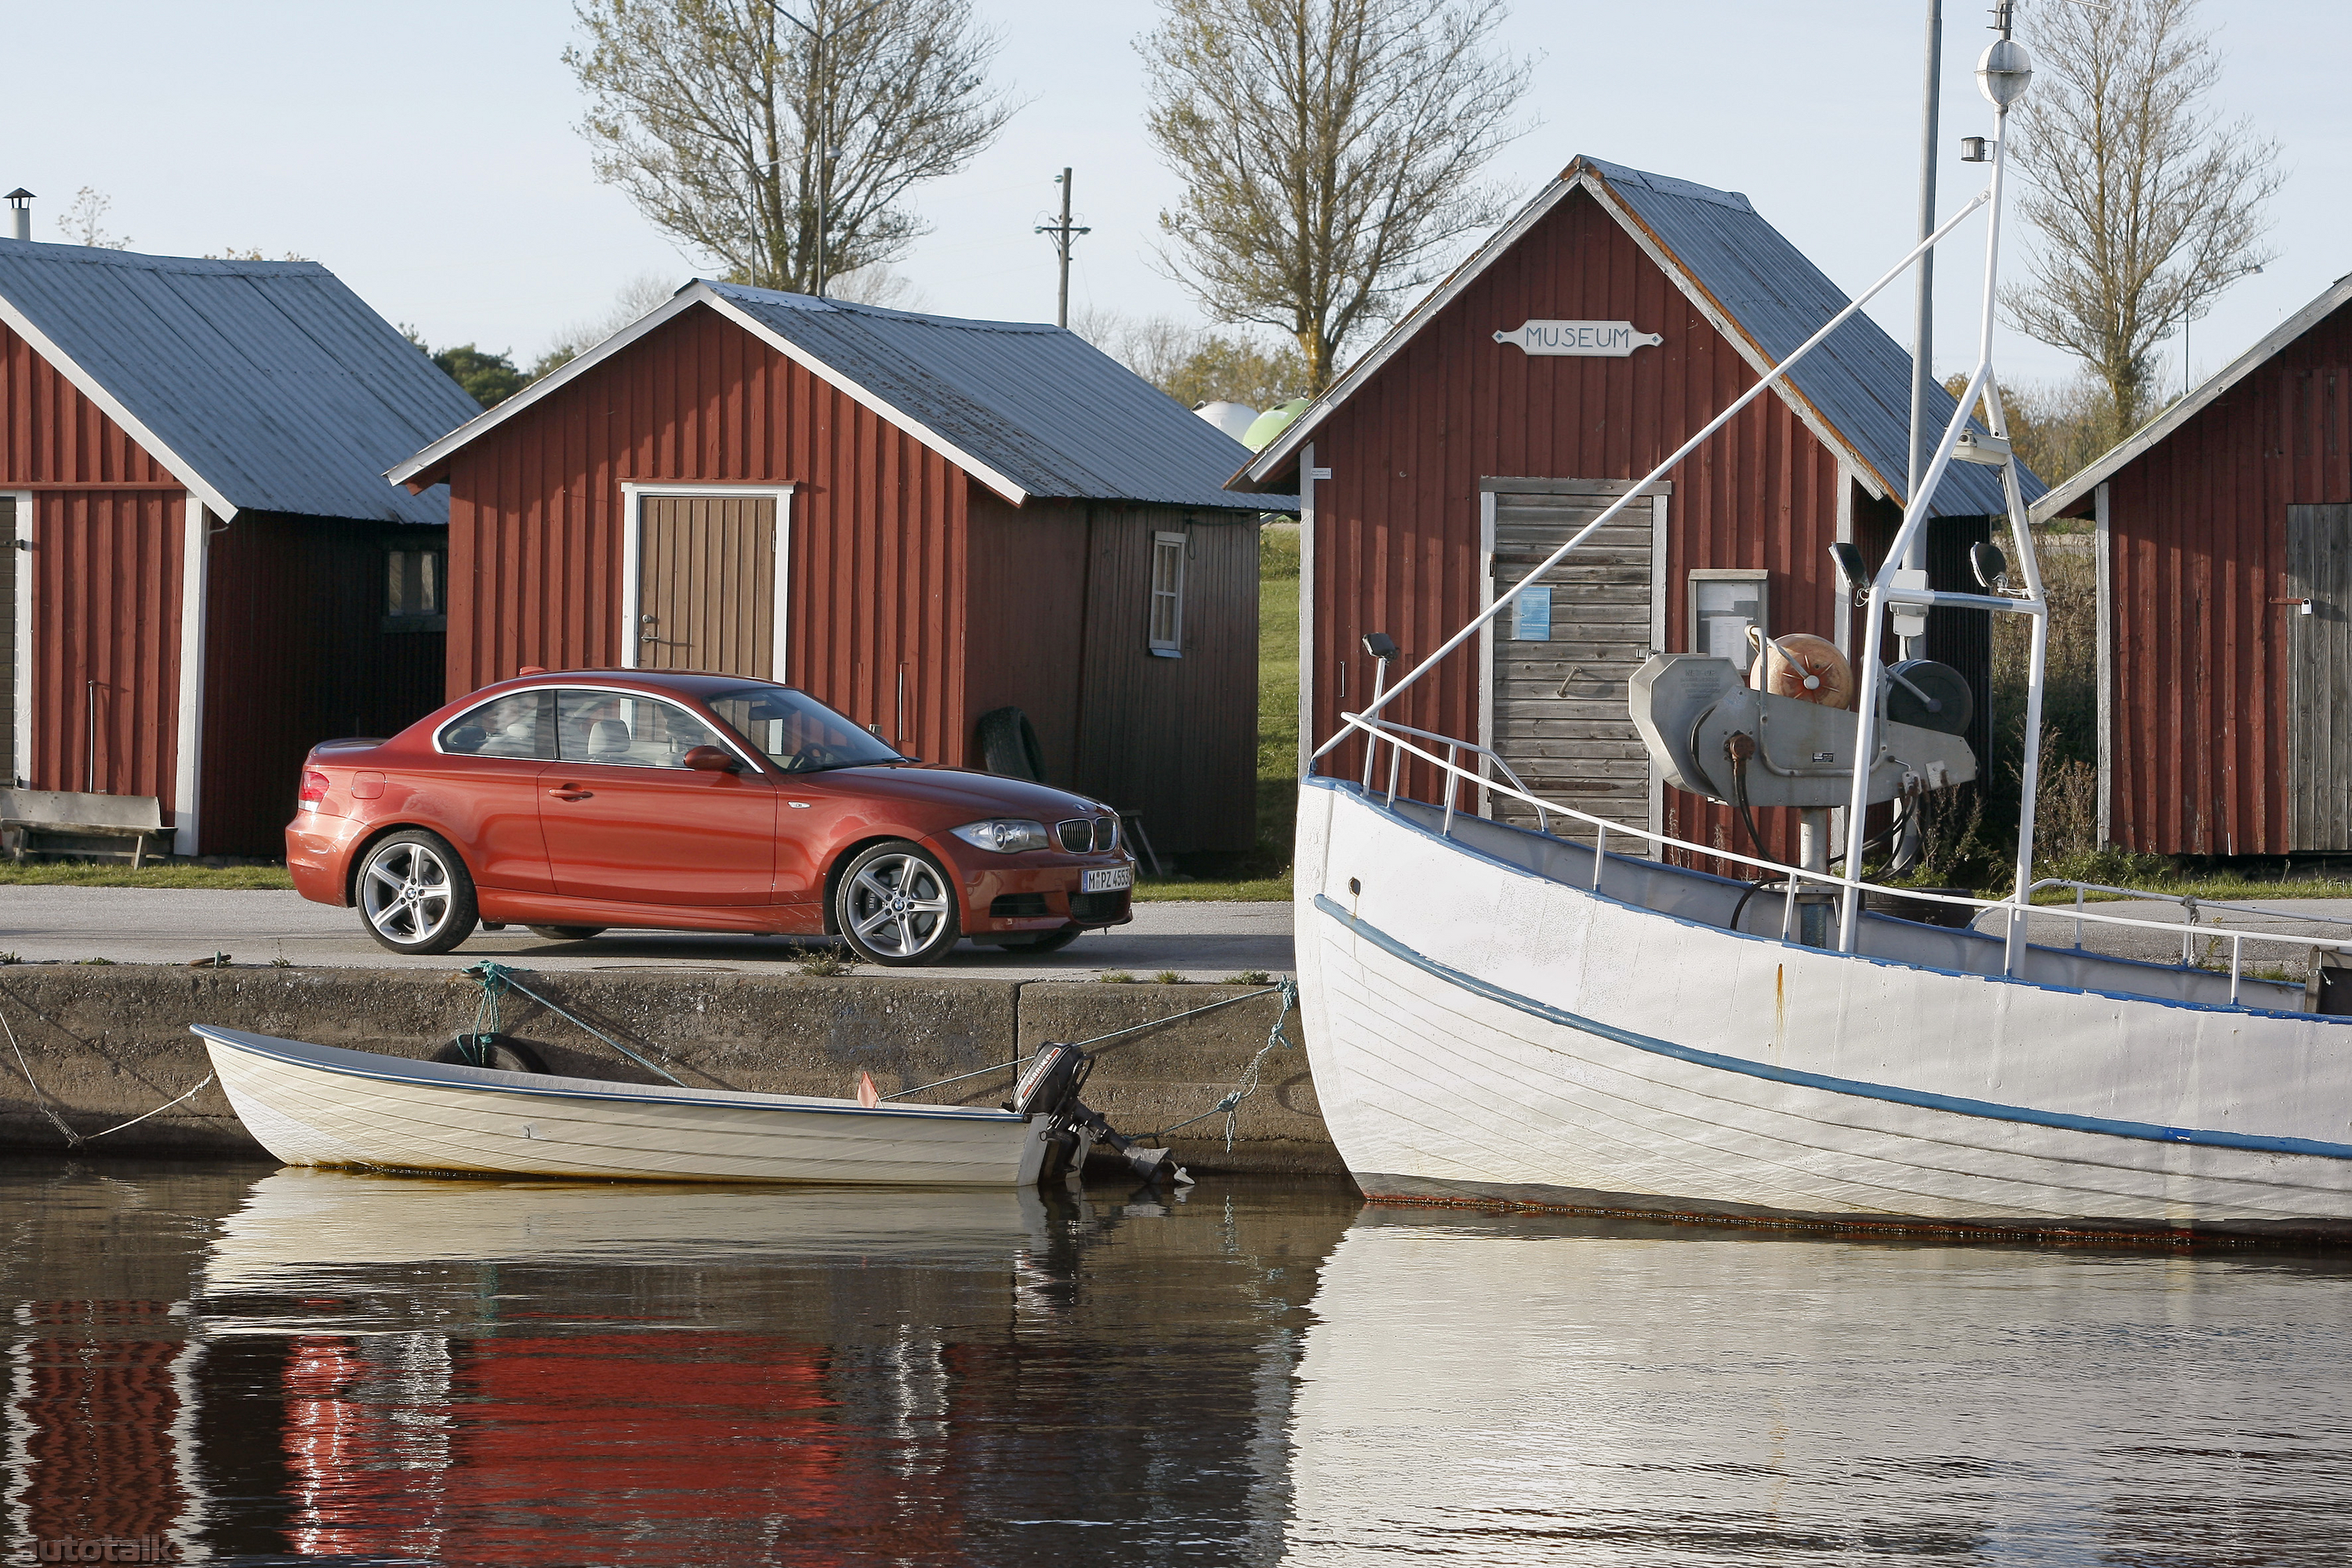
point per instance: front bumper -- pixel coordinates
(1040, 892)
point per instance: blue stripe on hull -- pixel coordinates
(2145, 1130)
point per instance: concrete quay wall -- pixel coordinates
(105, 1043)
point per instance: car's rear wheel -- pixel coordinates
(565, 933)
(414, 895)
(896, 906)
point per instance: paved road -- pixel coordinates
(143, 925)
(2054, 927)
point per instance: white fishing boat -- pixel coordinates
(1501, 1015)
(321, 1105)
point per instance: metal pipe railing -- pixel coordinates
(1382, 731)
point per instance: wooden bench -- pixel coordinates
(49, 822)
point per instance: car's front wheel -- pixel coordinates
(895, 905)
(414, 895)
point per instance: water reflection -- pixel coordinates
(272, 1366)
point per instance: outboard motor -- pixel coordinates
(1050, 1087)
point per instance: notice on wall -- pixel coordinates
(1609, 339)
(1531, 615)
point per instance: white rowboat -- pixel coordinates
(321, 1105)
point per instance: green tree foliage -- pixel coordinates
(2057, 430)
(711, 113)
(1194, 366)
(489, 379)
(1330, 151)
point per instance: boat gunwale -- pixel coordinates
(1856, 1089)
(633, 1094)
(1349, 788)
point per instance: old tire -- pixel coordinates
(415, 894)
(565, 933)
(896, 905)
(1008, 745)
(503, 1052)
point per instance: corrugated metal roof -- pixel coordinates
(1858, 383)
(268, 384)
(1039, 404)
(1860, 380)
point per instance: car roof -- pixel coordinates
(695, 683)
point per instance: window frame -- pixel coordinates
(1171, 646)
(432, 576)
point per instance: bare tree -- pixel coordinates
(879, 283)
(1330, 149)
(80, 222)
(2147, 205)
(733, 129)
(633, 299)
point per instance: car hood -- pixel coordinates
(981, 794)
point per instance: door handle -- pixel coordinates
(573, 792)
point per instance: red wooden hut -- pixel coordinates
(210, 574)
(1615, 315)
(922, 521)
(2224, 558)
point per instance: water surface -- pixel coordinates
(257, 1365)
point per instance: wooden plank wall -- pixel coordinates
(1559, 704)
(106, 606)
(295, 653)
(2319, 677)
(877, 544)
(1396, 546)
(2200, 711)
(1025, 628)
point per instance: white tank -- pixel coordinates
(1234, 418)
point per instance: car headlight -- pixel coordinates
(1005, 835)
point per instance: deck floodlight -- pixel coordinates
(1381, 645)
(1990, 566)
(1976, 150)
(1852, 571)
(2003, 72)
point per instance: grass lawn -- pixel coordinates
(2227, 887)
(1263, 876)
(94, 874)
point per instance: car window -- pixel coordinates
(799, 733)
(627, 731)
(522, 725)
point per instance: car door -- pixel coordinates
(483, 789)
(627, 820)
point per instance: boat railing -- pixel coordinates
(1400, 741)
(2189, 902)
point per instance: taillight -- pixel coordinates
(314, 789)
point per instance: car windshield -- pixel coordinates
(796, 732)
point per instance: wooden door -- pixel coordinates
(11, 766)
(2319, 678)
(1562, 656)
(708, 574)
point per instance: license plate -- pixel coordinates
(1106, 882)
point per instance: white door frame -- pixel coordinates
(21, 719)
(633, 497)
(195, 571)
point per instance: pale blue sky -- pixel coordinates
(425, 151)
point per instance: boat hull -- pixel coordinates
(1479, 1032)
(320, 1105)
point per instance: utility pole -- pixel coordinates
(1062, 234)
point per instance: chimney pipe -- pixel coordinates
(20, 213)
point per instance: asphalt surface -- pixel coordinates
(160, 925)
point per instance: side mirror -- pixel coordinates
(707, 760)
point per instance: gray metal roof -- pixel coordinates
(263, 385)
(1039, 404)
(1860, 380)
(1858, 383)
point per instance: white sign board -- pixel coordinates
(1613, 340)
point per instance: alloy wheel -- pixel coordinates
(407, 893)
(896, 905)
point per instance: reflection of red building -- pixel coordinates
(593, 1447)
(95, 1417)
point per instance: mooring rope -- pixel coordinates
(1231, 1105)
(1286, 988)
(41, 1101)
(497, 979)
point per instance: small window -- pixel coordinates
(413, 596)
(626, 732)
(1168, 595)
(522, 725)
